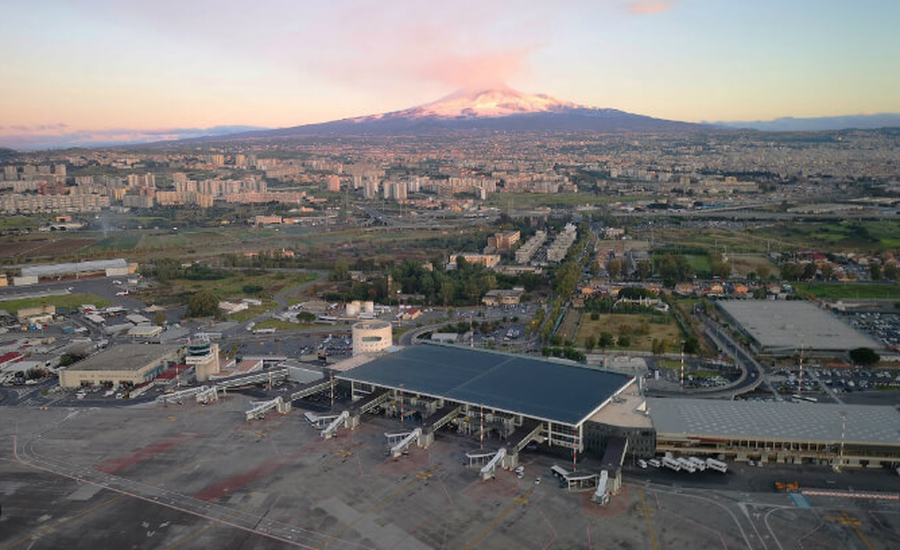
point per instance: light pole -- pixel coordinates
(682, 364)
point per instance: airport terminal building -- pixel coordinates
(516, 398)
(572, 408)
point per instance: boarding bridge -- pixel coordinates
(207, 395)
(437, 420)
(260, 409)
(319, 421)
(479, 458)
(331, 429)
(369, 402)
(487, 471)
(179, 396)
(581, 482)
(404, 443)
(525, 434)
(311, 388)
(601, 494)
(271, 376)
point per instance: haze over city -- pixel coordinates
(107, 71)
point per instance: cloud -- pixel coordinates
(649, 7)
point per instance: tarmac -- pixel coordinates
(191, 476)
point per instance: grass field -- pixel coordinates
(117, 242)
(532, 200)
(69, 301)
(746, 263)
(838, 291)
(612, 322)
(278, 324)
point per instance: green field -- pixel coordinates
(838, 291)
(70, 301)
(278, 324)
(117, 242)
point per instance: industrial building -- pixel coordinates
(125, 364)
(793, 433)
(783, 327)
(516, 397)
(96, 268)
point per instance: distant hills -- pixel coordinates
(818, 124)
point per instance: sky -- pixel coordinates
(104, 70)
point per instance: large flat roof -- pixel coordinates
(792, 324)
(546, 390)
(126, 357)
(77, 267)
(812, 422)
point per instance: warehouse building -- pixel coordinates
(125, 364)
(783, 327)
(79, 270)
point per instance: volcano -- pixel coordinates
(493, 109)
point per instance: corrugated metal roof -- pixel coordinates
(516, 384)
(774, 421)
(78, 267)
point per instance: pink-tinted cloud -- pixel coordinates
(649, 7)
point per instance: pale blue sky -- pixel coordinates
(104, 64)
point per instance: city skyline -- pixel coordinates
(107, 70)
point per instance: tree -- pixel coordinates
(644, 269)
(624, 341)
(606, 340)
(341, 270)
(159, 319)
(590, 343)
(875, 272)
(306, 317)
(890, 271)
(691, 345)
(203, 304)
(719, 266)
(595, 316)
(615, 268)
(763, 272)
(864, 357)
(827, 272)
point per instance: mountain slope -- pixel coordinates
(816, 124)
(499, 109)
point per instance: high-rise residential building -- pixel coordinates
(333, 183)
(370, 191)
(149, 180)
(60, 170)
(134, 180)
(10, 173)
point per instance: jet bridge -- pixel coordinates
(330, 430)
(180, 396)
(311, 388)
(260, 409)
(404, 443)
(479, 457)
(207, 395)
(601, 494)
(487, 471)
(271, 376)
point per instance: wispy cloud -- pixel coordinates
(649, 7)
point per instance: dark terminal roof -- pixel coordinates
(516, 384)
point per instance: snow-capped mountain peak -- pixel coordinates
(488, 103)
